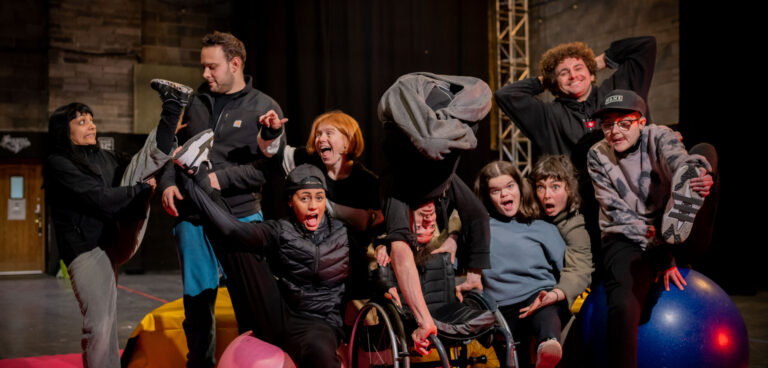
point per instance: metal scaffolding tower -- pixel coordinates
(511, 64)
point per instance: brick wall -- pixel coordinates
(93, 46)
(23, 72)
(59, 51)
(171, 31)
(598, 23)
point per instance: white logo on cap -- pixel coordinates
(612, 99)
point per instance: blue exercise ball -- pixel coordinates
(697, 327)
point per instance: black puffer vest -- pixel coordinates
(437, 277)
(314, 266)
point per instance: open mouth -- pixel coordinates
(549, 208)
(508, 204)
(311, 220)
(325, 152)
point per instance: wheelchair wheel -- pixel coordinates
(377, 338)
(502, 336)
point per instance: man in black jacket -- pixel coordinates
(229, 106)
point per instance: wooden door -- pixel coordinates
(22, 237)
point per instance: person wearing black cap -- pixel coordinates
(650, 190)
(300, 311)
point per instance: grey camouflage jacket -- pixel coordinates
(633, 188)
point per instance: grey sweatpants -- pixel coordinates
(93, 273)
(93, 280)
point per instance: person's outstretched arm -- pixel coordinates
(91, 191)
(254, 237)
(408, 279)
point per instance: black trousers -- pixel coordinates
(630, 272)
(543, 324)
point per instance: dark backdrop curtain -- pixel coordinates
(724, 109)
(315, 56)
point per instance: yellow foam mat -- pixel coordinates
(475, 350)
(160, 340)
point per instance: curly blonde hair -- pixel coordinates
(554, 56)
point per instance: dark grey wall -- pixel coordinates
(24, 70)
(599, 22)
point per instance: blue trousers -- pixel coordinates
(200, 275)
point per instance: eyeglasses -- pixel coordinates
(622, 124)
(497, 192)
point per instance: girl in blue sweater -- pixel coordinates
(526, 259)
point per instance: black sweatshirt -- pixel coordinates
(236, 129)
(566, 126)
(84, 206)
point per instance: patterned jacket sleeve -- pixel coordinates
(673, 153)
(616, 217)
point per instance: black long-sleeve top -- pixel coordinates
(565, 125)
(85, 206)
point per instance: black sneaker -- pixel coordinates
(195, 151)
(172, 91)
(682, 207)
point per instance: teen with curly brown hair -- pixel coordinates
(568, 71)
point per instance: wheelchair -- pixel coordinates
(381, 332)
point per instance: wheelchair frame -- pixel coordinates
(390, 347)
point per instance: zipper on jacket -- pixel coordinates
(317, 260)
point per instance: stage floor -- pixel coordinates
(40, 315)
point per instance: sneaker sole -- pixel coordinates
(682, 206)
(195, 151)
(177, 86)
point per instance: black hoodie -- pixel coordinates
(566, 126)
